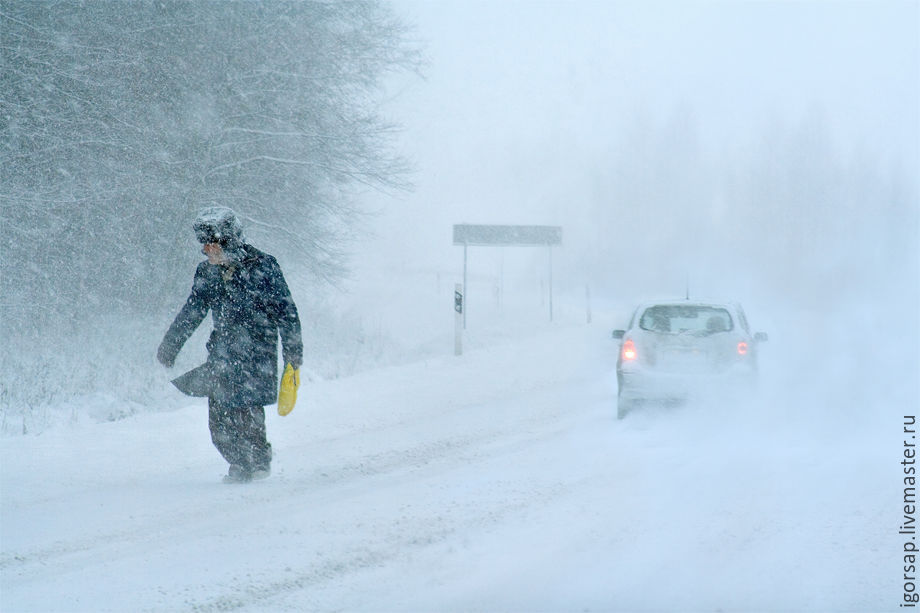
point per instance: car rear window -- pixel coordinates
(677, 319)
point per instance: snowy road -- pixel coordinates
(497, 481)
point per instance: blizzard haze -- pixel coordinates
(764, 153)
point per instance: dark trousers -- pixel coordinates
(239, 435)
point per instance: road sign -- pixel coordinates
(507, 236)
(468, 235)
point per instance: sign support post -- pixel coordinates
(464, 282)
(458, 319)
(550, 282)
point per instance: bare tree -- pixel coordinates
(120, 119)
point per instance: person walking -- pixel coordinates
(250, 305)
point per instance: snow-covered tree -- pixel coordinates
(120, 119)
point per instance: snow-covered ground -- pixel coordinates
(495, 481)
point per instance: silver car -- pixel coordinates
(675, 350)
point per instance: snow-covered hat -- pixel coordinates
(218, 224)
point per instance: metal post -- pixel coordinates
(458, 319)
(465, 284)
(551, 283)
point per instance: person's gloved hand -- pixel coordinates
(166, 355)
(287, 396)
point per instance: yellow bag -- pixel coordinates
(287, 397)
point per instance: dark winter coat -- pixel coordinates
(250, 304)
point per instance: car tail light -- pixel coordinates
(629, 351)
(742, 348)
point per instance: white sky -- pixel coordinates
(519, 94)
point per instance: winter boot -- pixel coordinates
(261, 472)
(237, 474)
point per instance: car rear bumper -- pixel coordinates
(639, 385)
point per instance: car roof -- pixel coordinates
(734, 306)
